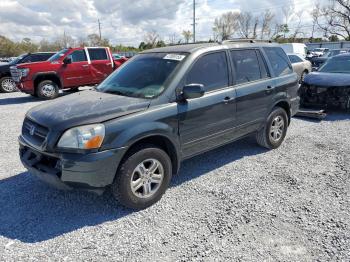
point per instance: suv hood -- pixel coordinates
(327, 79)
(34, 64)
(86, 107)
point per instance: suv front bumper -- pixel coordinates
(67, 170)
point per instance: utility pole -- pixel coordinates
(194, 21)
(99, 28)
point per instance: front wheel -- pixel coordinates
(47, 89)
(273, 133)
(7, 85)
(143, 177)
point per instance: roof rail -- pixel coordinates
(245, 40)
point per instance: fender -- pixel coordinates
(49, 73)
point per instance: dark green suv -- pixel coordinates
(161, 107)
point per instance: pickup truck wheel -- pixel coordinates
(47, 89)
(7, 85)
(143, 177)
(273, 133)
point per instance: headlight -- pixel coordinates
(83, 137)
(24, 72)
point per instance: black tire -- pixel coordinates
(121, 187)
(264, 136)
(5, 85)
(303, 74)
(47, 89)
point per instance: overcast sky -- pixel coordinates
(126, 21)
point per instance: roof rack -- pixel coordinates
(245, 40)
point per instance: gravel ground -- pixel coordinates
(239, 202)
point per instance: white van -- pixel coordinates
(295, 48)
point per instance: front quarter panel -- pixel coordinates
(158, 120)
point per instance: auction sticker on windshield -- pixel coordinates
(175, 57)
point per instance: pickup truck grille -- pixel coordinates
(34, 133)
(15, 73)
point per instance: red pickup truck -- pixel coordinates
(67, 69)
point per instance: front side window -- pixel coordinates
(247, 66)
(279, 61)
(210, 70)
(145, 76)
(97, 54)
(78, 56)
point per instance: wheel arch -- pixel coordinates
(160, 141)
(47, 76)
(286, 106)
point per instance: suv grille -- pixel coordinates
(15, 73)
(34, 133)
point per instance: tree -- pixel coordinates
(266, 24)
(245, 20)
(334, 19)
(187, 34)
(151, 38)
(94, 40)
(226, 25)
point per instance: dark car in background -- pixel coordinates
(7, 84)
(161, 107)
(329, 87)
(317, 62)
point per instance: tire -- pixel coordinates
(130, 172)
(7, 85)
(267, 137)
(302, 77)
(47, 89)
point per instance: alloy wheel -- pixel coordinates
(147, 178)
(277, 129)
(8, 85)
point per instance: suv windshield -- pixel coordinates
(145, 76)
(337, 65)
(58, 55)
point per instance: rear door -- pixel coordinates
(254, 88)
(207, 122)
(78, 72)
(101, 63)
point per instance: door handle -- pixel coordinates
(85, 65)
(269, 89)
(228, 99)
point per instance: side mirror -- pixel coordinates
(67, 60)
(193, 91)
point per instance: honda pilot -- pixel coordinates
(132, 131)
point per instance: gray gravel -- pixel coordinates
(239, 202)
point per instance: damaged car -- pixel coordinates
(329, 87)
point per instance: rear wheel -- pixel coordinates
(143, 177)
(273, 133)
(7, 85)
(47, 89)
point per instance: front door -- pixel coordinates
(78, 72)
(208, 121)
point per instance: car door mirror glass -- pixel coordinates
(192, 91)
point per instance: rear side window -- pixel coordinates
(211, 71)
(249, 66)
(97, 54)
(279, 61)
(78, 56)
(295, 59)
